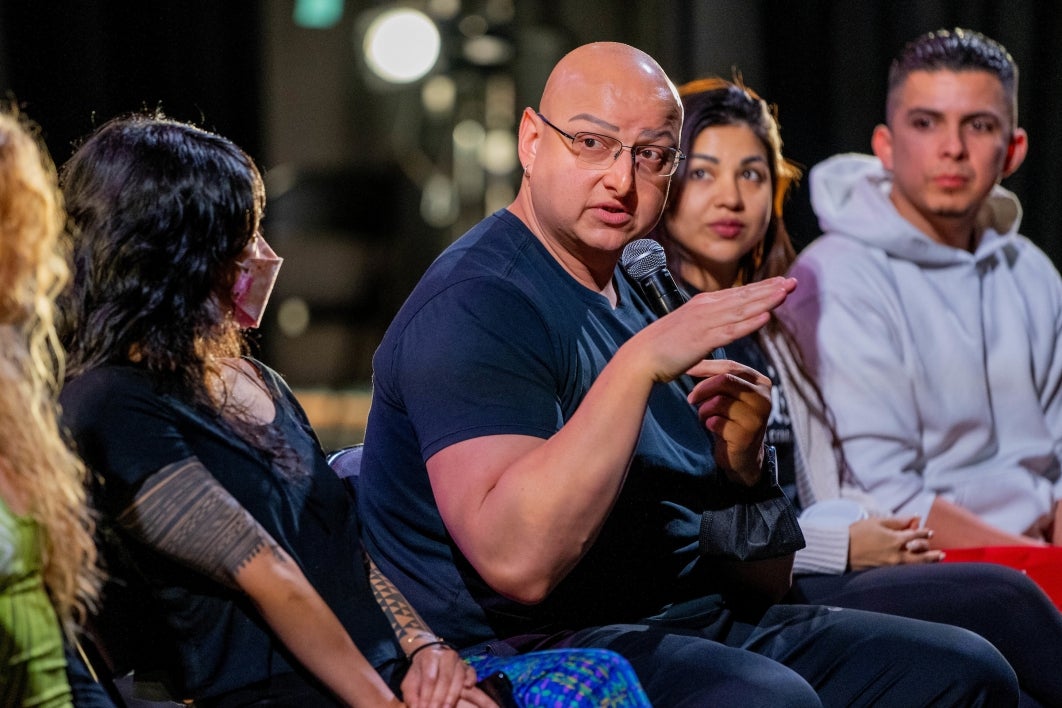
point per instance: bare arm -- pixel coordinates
(186, 514)
(437, 676)
(524, 510)
(410, 628)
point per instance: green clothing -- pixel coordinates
(32, 667)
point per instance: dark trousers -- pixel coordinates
(85, 691)
(807, 656)
(998, 603)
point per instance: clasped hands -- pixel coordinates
(891, 540)
(1048, 528)
(439, 678)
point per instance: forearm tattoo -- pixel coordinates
(405, 621)
(184, 512)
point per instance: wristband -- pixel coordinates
(437, 643)
(766, 487)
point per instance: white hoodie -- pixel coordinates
(942, 368)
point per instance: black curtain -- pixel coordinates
(72, 65)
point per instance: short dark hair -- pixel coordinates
(956, 50)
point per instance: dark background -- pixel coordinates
(346, 159)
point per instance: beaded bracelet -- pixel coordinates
(422, 647)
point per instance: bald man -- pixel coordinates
(540, 471)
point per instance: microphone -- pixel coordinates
(645, 263)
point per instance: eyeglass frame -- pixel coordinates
(676, 161)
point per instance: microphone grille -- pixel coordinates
(642, 257)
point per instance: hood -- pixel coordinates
(850, 195)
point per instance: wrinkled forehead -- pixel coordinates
(616, 110)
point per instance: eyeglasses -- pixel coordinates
(599, 152)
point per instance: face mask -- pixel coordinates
(254, 284)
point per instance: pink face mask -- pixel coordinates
(254, 284)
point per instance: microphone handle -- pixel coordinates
(662, 292)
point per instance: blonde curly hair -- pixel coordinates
(38, 472)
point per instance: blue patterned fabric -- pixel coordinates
(568, 678)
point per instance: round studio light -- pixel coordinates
(401, 45)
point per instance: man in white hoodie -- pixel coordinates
(933, 328)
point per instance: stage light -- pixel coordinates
(293, 316)
(438, 202)
(438, 95)
(401, 45)
(499, 152)
(317, 14)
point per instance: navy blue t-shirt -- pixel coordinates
(210, 637)
(498, 339)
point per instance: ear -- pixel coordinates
(1017, 149)
(881, 143)
(527, 139)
